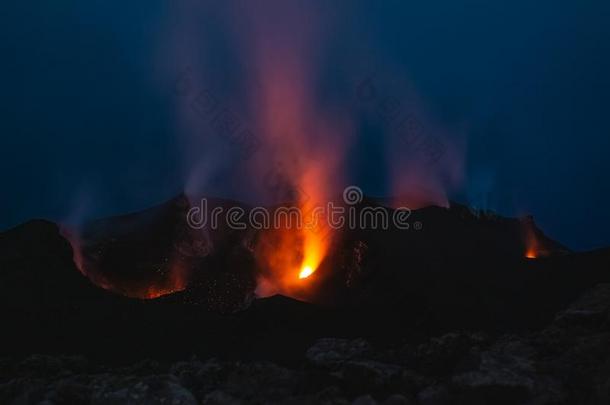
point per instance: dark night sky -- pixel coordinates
(89, 115)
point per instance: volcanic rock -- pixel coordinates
(567, 362)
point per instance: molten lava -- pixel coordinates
(306, 271)
(288, 256)
(305, 147)
(533, 248)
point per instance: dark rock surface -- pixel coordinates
(453, 314)
(155, 252)
(568, 362)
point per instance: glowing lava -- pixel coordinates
(306, 271)
(169, 278)
(532, 248)
(302, 149)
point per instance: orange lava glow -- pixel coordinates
(304, 145)
(292, 254)
(533, 249)
(174, 277)
(306, 271)
(174, 281)
(290, 257)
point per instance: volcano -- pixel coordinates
(147, 284)
(453, 267)
(155, 252)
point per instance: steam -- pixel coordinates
(275, 135)
(424, 158)
(275, 122)
(261, 116)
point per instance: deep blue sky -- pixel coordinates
(88, 118)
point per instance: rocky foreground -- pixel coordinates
(568, 362)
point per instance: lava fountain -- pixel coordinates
(303, 146)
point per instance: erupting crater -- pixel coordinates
(306, 271)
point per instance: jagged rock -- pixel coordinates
(239, 380)
(330, 395)
(370, 376)
(590, 311)
(333, 352)
(508, 370)
(220, 398)
(441, 355)
(434, 395)
(187, 372)
(567, 362)
(22, 391)
(149, 390)
(364, 400)
(75, 390)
